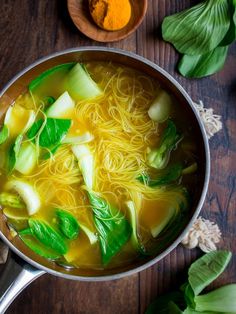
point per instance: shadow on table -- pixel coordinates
(64, 16)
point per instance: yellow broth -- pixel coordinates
(59, 181)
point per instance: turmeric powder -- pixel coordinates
(110, 15)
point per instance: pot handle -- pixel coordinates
(16, 276)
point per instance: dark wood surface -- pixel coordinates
(30, 29)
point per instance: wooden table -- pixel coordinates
(30, 29)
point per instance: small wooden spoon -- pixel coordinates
(79, 12)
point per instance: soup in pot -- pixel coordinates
(97, 165)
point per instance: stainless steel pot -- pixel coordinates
(23, 266)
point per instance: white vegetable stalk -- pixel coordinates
(219, 300)
(157, 229)
(86, 163)
(28, 194)
(133, 218)
(62, 107)
(30, 121)
(27, 158)
(80, 139)
(14, 215)
(91, 236)
(160, 108)
(80, 85)
(9, 120)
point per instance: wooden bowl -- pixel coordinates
(79, 12)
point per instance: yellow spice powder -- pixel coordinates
(110, 15)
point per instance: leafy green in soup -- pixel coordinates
(93, 170)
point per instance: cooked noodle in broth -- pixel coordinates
(95, 173)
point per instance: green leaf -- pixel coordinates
(189, 310)
(203, 65)
(219, 300)
(164, 177)
(48, 236)
(159, 157)
(27, 193)
(173, 308)
(13, 153)
(49, 100)
(68, 224)
(11, 200)
(207, 268)
(188, 295)
(26, 231)
(113, 228)
(4, 133)
(231, 34)
(179, 200)
(162, 305)
(40, 82)
(199, 29)
(37, 247)
(53, 132)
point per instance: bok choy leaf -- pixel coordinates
(164, 177)
(219, 300)
(13, 153)
(89, 233)
(162, 304)
(159, 157)
(4, 133)
(113, 228)
(133, 219)
(15, 117)
(231, 34)
(206, 269)
(86, 163)
(37, 247)
(68, 224)
(62, 107)
(198, 66)
(80, 85)
(48, 236)
(167, 175)
(40, 83)
(27, 152)
(27, 193)
(160, 108)
(79, 139)
(52, 133)
(188, 301)
(11, 200)
(200, 29)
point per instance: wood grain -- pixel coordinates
(30, 29)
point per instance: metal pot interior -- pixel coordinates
(19, 84)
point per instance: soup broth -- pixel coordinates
(88, 178)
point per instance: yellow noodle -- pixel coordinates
(122, 131)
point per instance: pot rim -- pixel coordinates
(207, 166)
